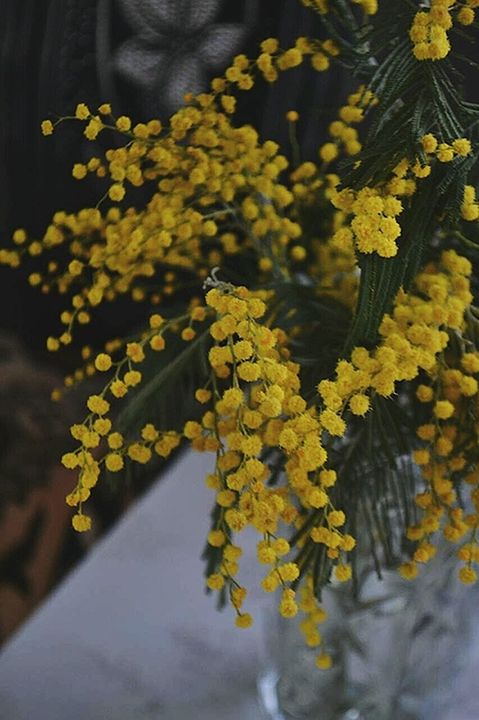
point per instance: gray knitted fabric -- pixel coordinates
(175, 47)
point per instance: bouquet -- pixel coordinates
(312, 324)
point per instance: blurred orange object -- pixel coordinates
(32, 537)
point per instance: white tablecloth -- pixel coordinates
(130, 634)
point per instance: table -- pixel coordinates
(130, 634)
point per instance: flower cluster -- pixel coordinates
(207, 172)
(470, 206)
(374, 228)
(428, 32)
(448, 439)
(291, 385)
(261, 411)
(344, 136)
(369, 7)
(445, 152)
(246, 421)
(96, 432)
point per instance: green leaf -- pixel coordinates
(176, 372)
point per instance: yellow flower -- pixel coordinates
(324, 661)
(216, 538)
(359, 404)
(251, 445)
(192, 430)
(47, 127)
(81, 523)
(334, 424)
(270, 45)
(424, 393)
(244, 621)
(288, 607)
(288, 439)
(123, 123)
(115, 440)
(320, 61)
(103, 362)
(466, 16)
(118, 388)
(229, 103)
(348, 543)
(70, 460)
(443, 409)
(82, 111)
(53, 344)
(265, 553)
(149, 433)
(467, 575)
(135, 352)
(215, 581)
(288, 572)
(102, 426)
(79, 171)
(139, 453)
(235, 519)
(328, 152)
(291, 58)
(408, 570)
(342, 572)
(157, 343)
(93, 128)
(317, 498)
(445, 153)
(116, 192)
(429, 143)
(336, 518)
(187, 334)
(114, 462)
(132, 378)
(98, 404)
(462, 147)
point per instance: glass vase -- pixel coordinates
(398, 648)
